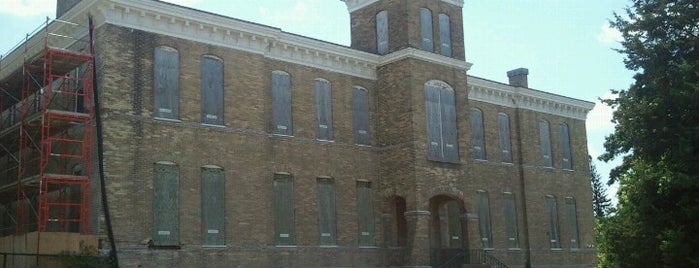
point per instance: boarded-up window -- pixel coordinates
(564, 138)
(281, 103)
(445, 34)
(212, 206)
(426, 29)
(554, 235)
(284, 209)
(545, 140)
(382, 32)
(324, 112)
(441, 122)
(365, 214)
(477, 134)
(572, 216)
(511, 220)
(166, 187)
(504, 131)
(484, 219)
(360, 114)
(326, 212)
(166, 91)
(211, 90)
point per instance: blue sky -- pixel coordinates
(566, 45)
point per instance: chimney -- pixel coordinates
(62, 6)
(518, 77)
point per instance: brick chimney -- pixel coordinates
(62, 6)
(518, 77)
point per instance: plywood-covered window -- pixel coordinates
(166, 88)
(545, 142)
(554, 235)
(426, 29)
(365, 214)
(360, 115)
(324, 110)
(212, 206)
(504, 134)
(211, 90)
(572, 217)
(484, 219)
(281, 103)
(441, 122)
(382, 32)
(445, 34)
(284, 209)
(564, 138)
(477, 134)
(166, 187)
(327, 221)
(511, 220)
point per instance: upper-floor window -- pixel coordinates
(211, 90)
(477, 134)
(441, 122)
(324, 111)
(445, 34)
(281, 103)
(166, 88)
(545, 142)
(426, 29)
(360, 114)
(564, 138)
(382, 32)
(504, 133)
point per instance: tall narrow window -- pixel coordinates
(545, 140)
(477, 134)
(382, 32)
(554, 235)
(484, 219)
(511, 220)
(572, 217)
(365, 214)
(360, 114)
(564, 138)
(504, 131)
(441, 122)
(445, 34)
(166, 187)
(284, 209)
(326, 212)
(212, 206)
(166, 92)
(211, 90)
(426, 29)
(324, 110)
(281, 103)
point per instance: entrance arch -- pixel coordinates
(448, 228)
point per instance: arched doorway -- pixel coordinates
(449, 235)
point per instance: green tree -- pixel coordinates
(601, 205)
(657, 134)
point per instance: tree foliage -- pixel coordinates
(657, 134)
(601, 205)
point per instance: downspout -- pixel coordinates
(522, 185)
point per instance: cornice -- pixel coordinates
(517, 97)
(425, 56)
(354, 5)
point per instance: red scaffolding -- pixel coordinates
(47, 111)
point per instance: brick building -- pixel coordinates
(229, 143)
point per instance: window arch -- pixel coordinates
(360, 114)
(166, 88)
(545, 142)
(477, 134)
(426, 29)
(445, 34)
(441, 122)
(564, 139)
(323, 107)
(382, 32)
(211, 90)
(281, 103)
(504, 134)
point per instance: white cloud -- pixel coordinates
(599, 119)
(187, 3)
(28, 8)
(608, 35)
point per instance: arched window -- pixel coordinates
(281, 103)
(426, 29)
(484, 219)
(212, 206)
(284, 209)
(360, 114)
(166, 188)
(564, 138)
(477, 134)
(545, 142)
(445, 34)
(382, 32)
(504, 134)
(441, 122)
(166, 88)
(511, 220)
(572, 216)
(554, 234)
(324, 110)
(211, 90)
